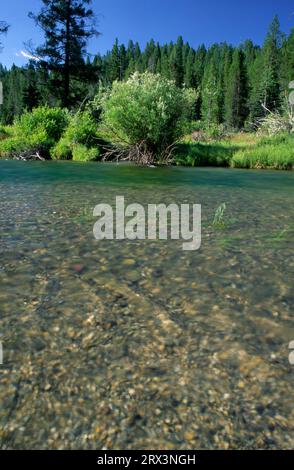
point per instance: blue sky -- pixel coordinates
(197, 21)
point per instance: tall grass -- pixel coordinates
(204, 154)
(240, 151)
(273, 152)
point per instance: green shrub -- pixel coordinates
(82, 129)
(11, 145)
(215, 132)
(35, 131)
(49, 121)
(146, 115)
(62, 150)
(36, 143)
(82, 153)
(4, 132)
(80, 133)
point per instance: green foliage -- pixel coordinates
(31, 95)
(240, 151)
(114, 72)
(236, 93)
(37, 131)
(211, 94)
(3, 132)
(232, 83)
(215, 132)
(65, 150)
(81, 131)
(177, 62)
(276, 153)
(62, 150)
(228, 88)
(81, 153)
(265, 73)
(204, 154)
(276, 140)
(52, 132)
(11, 145)
(67, 26)
(148, 110)
(14, 81)
(17, 143)
(50, 122)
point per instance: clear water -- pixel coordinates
(140, 345)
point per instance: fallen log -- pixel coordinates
(28, 156)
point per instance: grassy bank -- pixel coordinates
(54, 133)
(239, 151)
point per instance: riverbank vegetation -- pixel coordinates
(222, 105)
(54, 133)
(240, 150)
(147, 120)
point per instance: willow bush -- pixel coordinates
(145, 116)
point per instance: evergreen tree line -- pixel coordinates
(236, 85)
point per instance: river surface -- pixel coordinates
(139, 344)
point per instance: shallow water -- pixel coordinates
(140, 345)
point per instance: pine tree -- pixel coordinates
(223, 75)
(200, 58)
(130, 59)
(224, 60)
(123, 64)
(177, 62)
(210, 110)
(67, 26)
(236, 96)
(250, 51)
(290, 57)
(14, 84)
(98, 66)
(256, 91)
(165, 63)
(137, 52)
(31, 93)
(114, 65)
(270, 71)
(157, 58)
(264, 75)
(212, 87)
(147, 56)
(287, 62)
(199, 63)
(189, 78)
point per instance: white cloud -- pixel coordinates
(27, 55)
